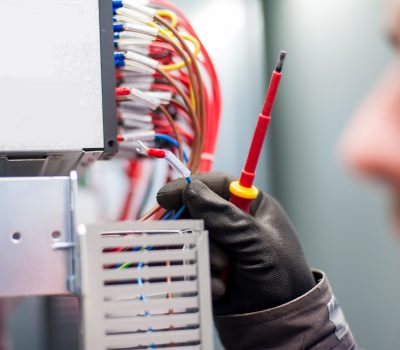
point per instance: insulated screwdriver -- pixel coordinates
(243, 192)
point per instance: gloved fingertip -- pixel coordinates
(196, 188)
(197, 194)
(170, 196)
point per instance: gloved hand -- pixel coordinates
(267, 266)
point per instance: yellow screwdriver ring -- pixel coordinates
(243, 192)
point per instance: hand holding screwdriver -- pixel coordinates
(267, 266)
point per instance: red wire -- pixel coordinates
(133, 172)
(214, 105)
(163, 87)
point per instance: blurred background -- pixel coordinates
(337, 50)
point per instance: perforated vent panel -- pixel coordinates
(146, 286)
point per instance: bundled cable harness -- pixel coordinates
(168, 93)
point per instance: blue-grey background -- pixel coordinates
(337, 49)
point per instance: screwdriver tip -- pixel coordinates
(281, 61)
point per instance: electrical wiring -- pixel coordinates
(215, 105)
(179, 213)
(185, 63)
(168, 91)
(175, 163)
(195, 67)
(173, 142)
(168, 96)
(174, 128)
(172, 160)
(180, 65)
(169, 215)
(170, 15)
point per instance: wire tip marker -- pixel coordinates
(243, 192)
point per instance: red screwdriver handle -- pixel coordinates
(243, 192)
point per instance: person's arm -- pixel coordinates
(312, 321)
(265, 295)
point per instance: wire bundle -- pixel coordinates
(168, 91)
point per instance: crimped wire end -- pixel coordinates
(142, 149)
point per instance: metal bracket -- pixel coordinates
(38, 247)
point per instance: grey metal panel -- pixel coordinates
(108, 78)
(158, 303)
(32, 209)
(25, 164)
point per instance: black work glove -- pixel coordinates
(267, 266)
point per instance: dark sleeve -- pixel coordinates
(313, 321)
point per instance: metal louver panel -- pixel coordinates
(146, 286)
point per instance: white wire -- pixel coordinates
(139, 58)
(141, 8)
(131, 15)
(138, 67)
(146, 99)
(144, 29)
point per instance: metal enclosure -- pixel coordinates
(36, 240)
(58, 108)
(141, 284)
(146, 285)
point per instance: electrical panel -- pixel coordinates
(58, 110)
(65, 67)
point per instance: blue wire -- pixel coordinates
(169, 215)
(179, 213)
(172, 141)
(118, 27)
(117, 4)
(119, 59)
